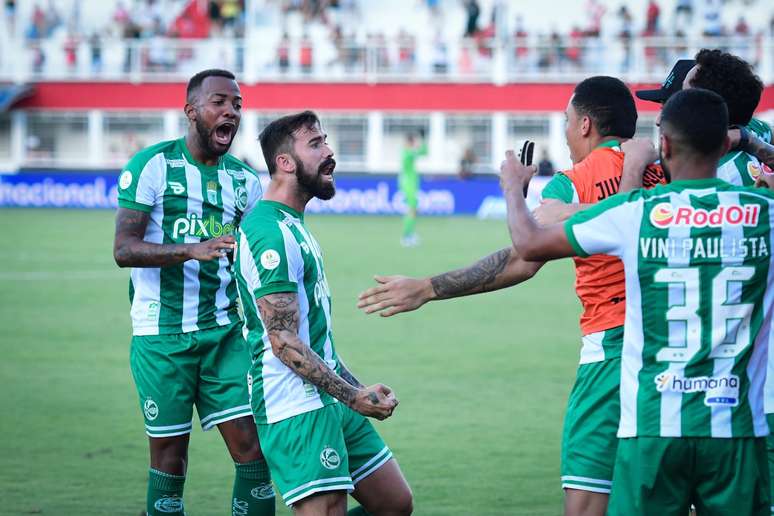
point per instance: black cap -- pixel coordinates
(672, 84)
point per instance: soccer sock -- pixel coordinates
(165, 494)
(357, 511)
(408, 225)
(253, 493)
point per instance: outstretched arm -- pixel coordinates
(280, 316)
(530, 240)
(130, 250)
(398, 294)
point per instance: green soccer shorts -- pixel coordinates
(770, 455)
(328, 449)
(410, 191)
(207, 368)
(589, 439)
(665, 475)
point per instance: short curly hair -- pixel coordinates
(733, 79)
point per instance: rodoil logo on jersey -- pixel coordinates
(718, 390)
(664, 215)
(193, 225)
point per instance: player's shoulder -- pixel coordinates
(238, 168)
(760, 128)
(161, 151)
(266, 220)
(601, 162)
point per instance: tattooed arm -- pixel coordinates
(761, 150)
(280, 316)
(397, 294)
(130, 250)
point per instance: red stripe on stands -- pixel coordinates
(327, 96)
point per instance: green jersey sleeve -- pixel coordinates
(606, 227)
(270, 259)
(761, 129)
(560, 187)
(138, 184)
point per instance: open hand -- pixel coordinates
(394, 295)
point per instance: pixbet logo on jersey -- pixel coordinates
(664, 215)
(194, 225)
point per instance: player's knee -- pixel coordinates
(400, 502)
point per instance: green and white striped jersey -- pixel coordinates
(741, 168)
(276, 253)
(188, 203)
(699, 295)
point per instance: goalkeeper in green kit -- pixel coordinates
(408, 182)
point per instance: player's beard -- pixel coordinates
(205, 139)
(313, 183)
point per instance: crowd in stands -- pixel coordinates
(339, 34)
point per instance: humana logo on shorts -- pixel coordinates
(194, 225)
(718, 390)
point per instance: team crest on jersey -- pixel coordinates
(125, 181)
(270, 259)
(153, 311)
(212, 192)
(329, 458)
(664, 215)
(754, 169)
(177, 188)
(240, 198)
(169, 504)
(150, 409)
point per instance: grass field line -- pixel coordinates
(56, 275)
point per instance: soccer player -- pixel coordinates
(408, 181)
(600, 116)
(180, 202)
(698, 270)
(309, 408)
(733, 79)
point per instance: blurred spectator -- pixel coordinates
(70, 47)
(472, 10)
(545, 166)
(500, 19)
(595, 11)
(305, 54)
(625, 30)
(713, 24)
(231, 12)
(95, 49)
(521, 52)
(683, 13)
(741, 28)
(466, 163)
(38, 58)
(440, 55)
(10, 15)
(406, 51)
(283, 53)
(574, 50)
(215, 16)
(652, 15)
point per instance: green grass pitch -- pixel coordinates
(482, 380)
